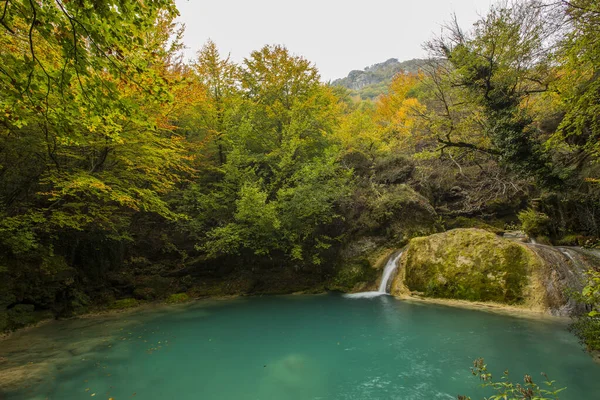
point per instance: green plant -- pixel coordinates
(587, 326)
(124, 304)
(506, 390)
(177, 298)
(534, 222)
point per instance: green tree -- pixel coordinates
(219, 77)
(579, 57)
(496, 67)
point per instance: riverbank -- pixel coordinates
(141, 306)
(498, 308)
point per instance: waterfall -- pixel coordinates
(563, 271)
(390, 267)
(388, 271)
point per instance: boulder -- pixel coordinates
(467, 264)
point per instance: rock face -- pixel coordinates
(377, 73)
(468, 264)
(563, 272)
(381, 223)
(477, 265)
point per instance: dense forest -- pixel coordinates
(129, 173)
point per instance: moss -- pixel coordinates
(124, 304)
(395, 212)
(496, 227)
(573, 240)
(178, 298)
(468, 264)
(353, 274)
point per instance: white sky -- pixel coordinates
(338, 36)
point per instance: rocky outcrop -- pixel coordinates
(382, 220)
(468, 264)
(477, 265)
(377, 73)
(562, 274)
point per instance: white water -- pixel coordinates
(570, 257)
(388, 270)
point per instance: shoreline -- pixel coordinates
(497, 308)
(108, 312)
(17, 373)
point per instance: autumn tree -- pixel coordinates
(486, 76)
(219, 78)
(84, 139)
(281, 178)
(579, 56)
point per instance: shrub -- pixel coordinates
(535, 223)
(587, 327)
(507, 390)
(178, 298)
(124, 304)
(21, 315)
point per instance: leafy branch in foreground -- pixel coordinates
(506, 390)
(587, 326)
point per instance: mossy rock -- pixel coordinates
(123, 304)
(352, 275)
(467, 264)
(397, 213)
(496, 227)
(178, 298)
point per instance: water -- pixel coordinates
(390, 267)
(293, 347)
(388, 270)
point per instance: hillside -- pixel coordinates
(374, 80)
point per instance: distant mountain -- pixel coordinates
(374, 80)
